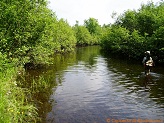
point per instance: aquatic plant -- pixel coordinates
(14, 104)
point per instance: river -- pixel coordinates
(89, 87)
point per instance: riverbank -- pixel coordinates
(15, 104)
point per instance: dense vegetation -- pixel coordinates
(30, 33)
(89, 33)
(136, 31)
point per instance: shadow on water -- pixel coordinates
(41, 81)
(130, 74)
(88, 86)
(130, 81)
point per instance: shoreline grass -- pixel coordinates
(14, 105)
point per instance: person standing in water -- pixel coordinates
(147, 62)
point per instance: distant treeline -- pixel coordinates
(30, 33)
(136, 31)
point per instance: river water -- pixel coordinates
(89, 87)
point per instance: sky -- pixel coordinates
(80, 10)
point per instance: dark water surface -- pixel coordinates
(93, 88)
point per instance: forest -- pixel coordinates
(30, 34)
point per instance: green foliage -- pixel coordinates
(29, 33)
(158, 43)
(13, 108)
(136, 45)
(128, 20)
(115, 38)
(89, 33)
(94, 28)
(146, 20)
(137, 31)
(92, 25)
(159, 38)
(64, 36)
(83, 36)
(20, 27)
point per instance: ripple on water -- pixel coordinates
(101, 92)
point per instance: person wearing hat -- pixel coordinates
(147, 62)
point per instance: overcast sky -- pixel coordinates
(80, 10)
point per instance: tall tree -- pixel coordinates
(92, 25)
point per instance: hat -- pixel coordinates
(147, 52)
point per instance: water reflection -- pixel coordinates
(92, 87)
(98, 87)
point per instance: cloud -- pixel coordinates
(81, 10)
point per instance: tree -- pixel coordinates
(92, 25)
(128, 20)
(82, 35)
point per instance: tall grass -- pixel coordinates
(14, 104)
(17, 96)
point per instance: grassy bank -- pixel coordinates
(14, 104)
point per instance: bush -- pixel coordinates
(14, 105)
(83, 36)
(134, 32)
(115, 39)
